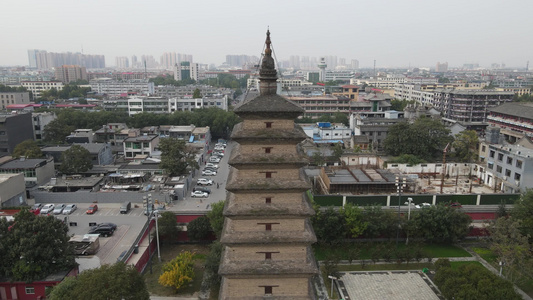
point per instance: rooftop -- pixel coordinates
(523, 110)
(23, 163)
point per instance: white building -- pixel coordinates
(40, 120)
(112, 87)
(37, 87)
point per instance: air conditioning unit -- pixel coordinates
(505, 178)
(517, 183)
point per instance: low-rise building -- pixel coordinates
(375, 125)
(140, 145)
(115, 88)
(37, 87)
(11, 98)
(40, 120)
(100, 154)
(12, 190)
(514, 119)
(37, 171)
(14, 129)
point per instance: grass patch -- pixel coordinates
(486, 254)
(169, 252)
(457, 264)
(342, 251)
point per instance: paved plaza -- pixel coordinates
(387, 285)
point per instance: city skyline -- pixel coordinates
(395, 34)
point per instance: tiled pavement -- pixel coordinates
(385, 285)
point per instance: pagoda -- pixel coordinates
(267, 233)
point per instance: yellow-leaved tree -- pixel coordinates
(179, 271)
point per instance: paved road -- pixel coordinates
(190, 204)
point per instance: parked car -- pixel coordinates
(220, 145)
(214, 159)
(125, 207)
(218, 154)
(211, 165)
(202, 189)
(92, 209)
(204, 181)
(210, 169)
(199, 194)
(219, 148)
(36, 208)
(69, 209)
(48, 208)
(59, 209)
(423, 205)
(208, 173)
(102, 230)
(112, 225)
(455, 205)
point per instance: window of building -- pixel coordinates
(268, 290)
(498, 169)
(268, 200)
(500, 156)
(517, 176)
(507, 172)
(30, 290)
(491, 154)
(267, 149)
(519, 164)
(268, 124)
(509, 160)
(483, 148)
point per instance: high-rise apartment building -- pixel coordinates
(168, 60)
(70, 73)
(187, 70)
(355, 64)
(441, 68)
(122, 62)
(47, 60)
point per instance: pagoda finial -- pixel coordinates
(268, 51)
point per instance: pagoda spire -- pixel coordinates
(268, 73)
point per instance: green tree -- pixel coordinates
(337, 151)
(329, 226)
(465, 145)
(198, 229)
(75, 160)
(318, 158)
(212, 263)
(380, 222)
(355, 223)
(406, 159)
(216, 217)
(33, 247)
(27, 149)
(473, 282)
(179, 271)
(440, 224)
(523, 211)
(108, 282)
(399, 105)
(176, 156)
(168, 227)
(511, 247)
(57, 131)
(425, 138)
(196, 94)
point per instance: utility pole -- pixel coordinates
(443, 166)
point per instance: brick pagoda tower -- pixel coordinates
(267, 233)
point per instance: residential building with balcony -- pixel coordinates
(316, 106)
(515, 119)
(70, 73)
(509, 167)
(140, 145)
(468, 106)
(190, 104)
(375, 125)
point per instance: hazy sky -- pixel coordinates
(393, 32)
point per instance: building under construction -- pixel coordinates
(354, 180)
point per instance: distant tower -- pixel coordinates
(322, 66)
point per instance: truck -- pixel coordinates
(87, 244)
